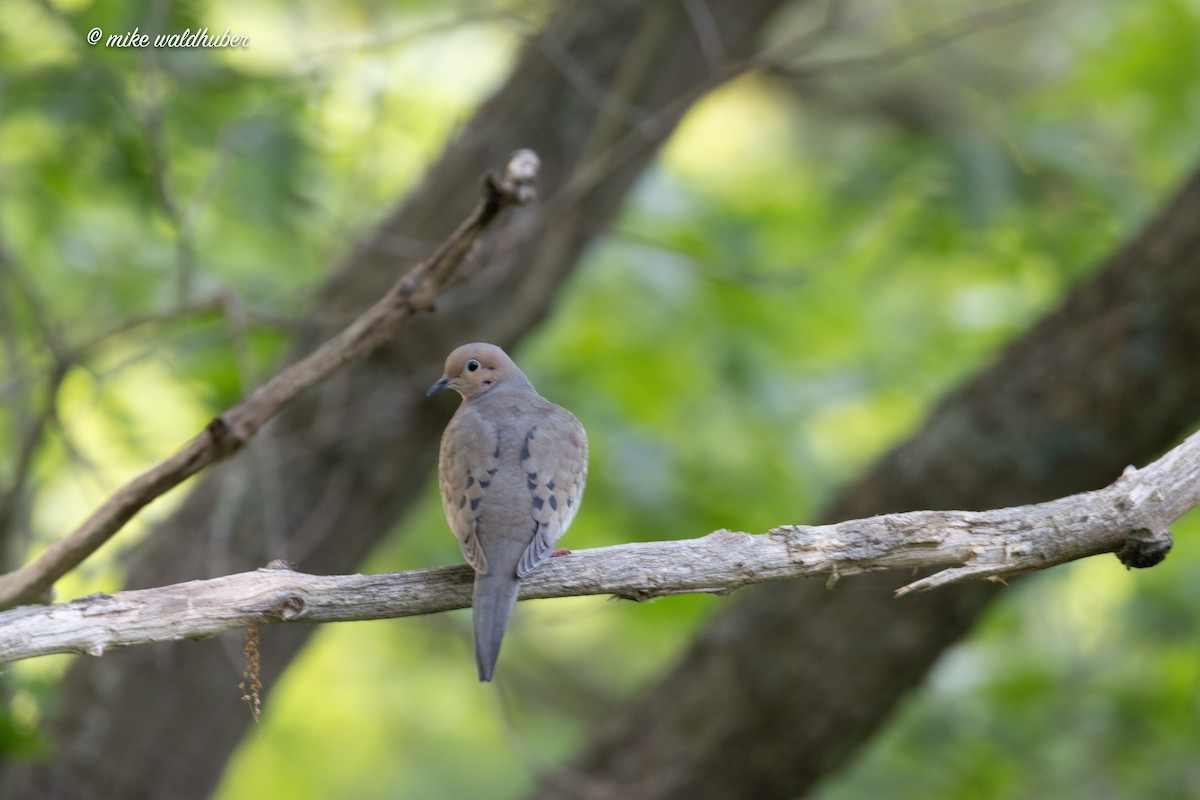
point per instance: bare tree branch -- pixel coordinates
(29, 437)
(1129, 517)
(919, 44)
(231, 431)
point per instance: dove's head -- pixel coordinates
(476, 368)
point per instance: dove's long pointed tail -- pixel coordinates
(495, 596)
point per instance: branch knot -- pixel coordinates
(292, 607)
(1145, 547)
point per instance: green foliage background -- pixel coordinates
(811, 264)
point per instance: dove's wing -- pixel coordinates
(469, 459)
(554, 459)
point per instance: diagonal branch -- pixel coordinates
(1129, 517)
(231, 431)
(920, 44)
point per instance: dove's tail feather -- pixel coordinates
(495, 596)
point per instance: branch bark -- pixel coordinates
(1130, 517)
(233, 430)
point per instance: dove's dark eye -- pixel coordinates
(472, 365)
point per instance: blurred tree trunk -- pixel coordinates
(786, 682)
(331, 476)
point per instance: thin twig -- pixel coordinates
(611, 152)
(413, 293)
(29, 438)
(919, 44)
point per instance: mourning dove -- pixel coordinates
(512, 469)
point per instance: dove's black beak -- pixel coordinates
(437, 387)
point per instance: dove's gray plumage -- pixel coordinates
(512, 470)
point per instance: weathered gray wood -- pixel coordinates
(1131, 517)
